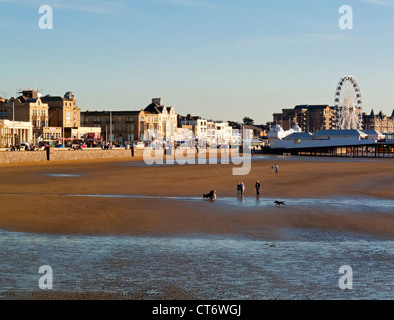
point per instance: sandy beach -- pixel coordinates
(38, 197)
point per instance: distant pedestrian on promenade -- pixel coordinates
(258, 187)
(276, 168)
(48, 151)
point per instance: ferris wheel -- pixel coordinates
(348, 104)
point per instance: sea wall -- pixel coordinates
(56, 155)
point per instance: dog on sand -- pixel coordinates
(210, 196)
(279, 203)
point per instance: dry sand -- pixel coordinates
(44, 213)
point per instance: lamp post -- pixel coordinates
(63, 126)
(13, 124)
(110, 126)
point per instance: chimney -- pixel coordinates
(30, 94)
(157, 100)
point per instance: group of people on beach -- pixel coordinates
(241, 188)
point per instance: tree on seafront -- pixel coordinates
(248, 121)
(234, 124)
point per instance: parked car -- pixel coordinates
(24, 145)
(42, 147)
(139, 145)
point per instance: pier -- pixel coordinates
(356, 151)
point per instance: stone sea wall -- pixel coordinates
(56, 155)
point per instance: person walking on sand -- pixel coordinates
(258, 187)
(276, 168)
(239, 188)
(242, 188)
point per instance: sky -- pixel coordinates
(219, 59)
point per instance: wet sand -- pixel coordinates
(27, 207)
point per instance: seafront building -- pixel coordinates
(63, 111)
(28, 107)
(379, 122)
(158, 122)
(208, 131)
(310, 118)
(198, 126)
(116, 126)
(23, 132)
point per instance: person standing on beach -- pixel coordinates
(258, 187)
(239, 188)
(276, 168)
(242, 188)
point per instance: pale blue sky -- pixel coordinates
(220, 59)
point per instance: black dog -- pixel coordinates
(278, 203)
(210, 196)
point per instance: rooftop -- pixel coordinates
(115, 113)
(299, 135)
(156, 107)
(333, 132)
(312, 107)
